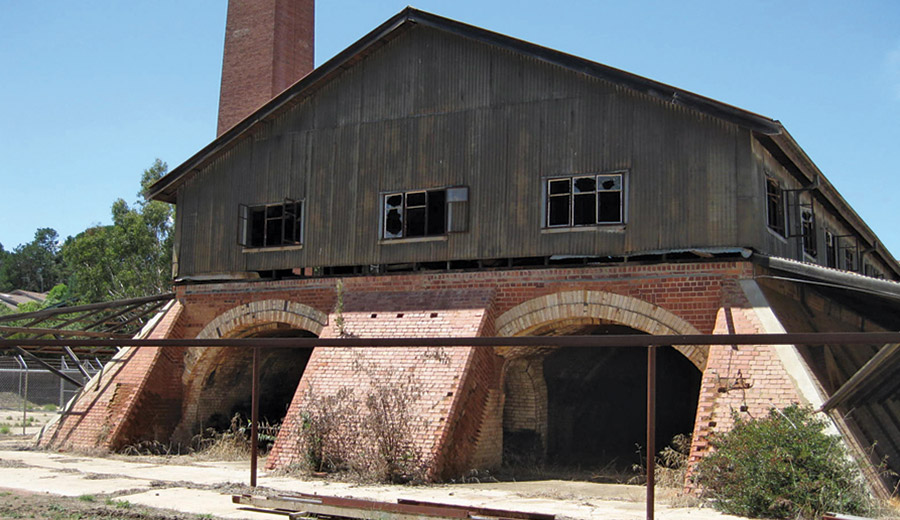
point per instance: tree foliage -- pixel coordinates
(782, 466)
(34, 266)
(131, 257)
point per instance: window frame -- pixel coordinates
(551, 196)
(808, 232)
(452, 202)
(831, 249)
(779, 206)
(291, 210)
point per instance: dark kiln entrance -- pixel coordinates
(227, 384)
(581, 412)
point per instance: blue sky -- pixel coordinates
(93, 91)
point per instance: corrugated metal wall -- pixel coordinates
(429, 110)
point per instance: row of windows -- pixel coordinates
(836, 251)
(584, 200)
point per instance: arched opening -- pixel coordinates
(581, 412)
(223, 381)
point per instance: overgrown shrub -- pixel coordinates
(781, 466)
(389, 422)
(371, 436)
(327, 430)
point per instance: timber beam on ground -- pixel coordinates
(302, 505)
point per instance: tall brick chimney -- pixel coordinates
(268, 47)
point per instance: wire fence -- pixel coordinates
(29, 391)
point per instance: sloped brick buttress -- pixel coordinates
(147, 393)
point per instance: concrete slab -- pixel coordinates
(42, 480)
(75, 475)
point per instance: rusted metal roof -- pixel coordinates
(165, 188)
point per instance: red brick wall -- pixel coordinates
(439, 374)
(268, 47)
(743, 380)
(102, 417)
(461, 404)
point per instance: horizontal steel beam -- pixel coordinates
(625, 340)
(61, 332)
(55, 311)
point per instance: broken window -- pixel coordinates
(850, 259)
(831, 250)
(424, 213)
(808, 230)
(586, 200)
(270, 225)
(775, 205)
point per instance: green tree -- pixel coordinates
(4, 282)
(130, 258)
(35, 266)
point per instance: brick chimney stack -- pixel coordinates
(268, 47)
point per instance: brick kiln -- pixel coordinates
(439, 180)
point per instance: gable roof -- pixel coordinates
(13, 299)
(164, 189)
(768, 131)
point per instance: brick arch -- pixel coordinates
(586, 307)
(231, 323)
(239, 320)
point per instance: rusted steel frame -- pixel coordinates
(77, 361)
(850, 387)
(60, 332)
(126, 310)
(651, 430)
(49, 313)
(80, 318)
(254, 417)
(625, 340)
(137, 316)
(47, 365)
(482, 511)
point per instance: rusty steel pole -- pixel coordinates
(254, 417)
(651, 430)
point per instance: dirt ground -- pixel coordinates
(22, 504)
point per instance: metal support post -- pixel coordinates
(651, 430)
(254, 417)
(25, 400)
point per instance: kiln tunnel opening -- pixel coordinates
(226, 390)
(581, 412)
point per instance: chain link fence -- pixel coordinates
(30, 394)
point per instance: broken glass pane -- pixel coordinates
(610, 182)
(393, 216)
(585, 184)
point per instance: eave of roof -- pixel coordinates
(886, 289)
(807, 172)
(165, 188)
